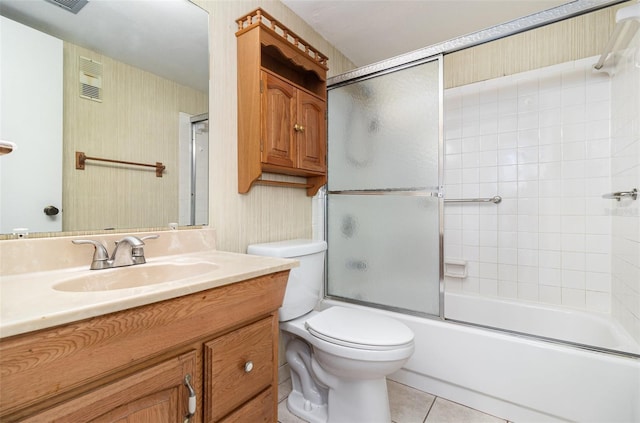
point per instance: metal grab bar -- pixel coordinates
(622, 194)
(495, 200)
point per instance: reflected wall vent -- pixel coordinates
(90, 78)
(72, 6)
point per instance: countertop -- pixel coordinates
(29, 302)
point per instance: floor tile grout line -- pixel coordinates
(429, 410)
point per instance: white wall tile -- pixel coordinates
(507, 289)
(489, 142)
(528, 291)
(600, 282)
(574, 94)
(598, 301)
(542, 142)
(507, 122)
(488, 287)
(550, 294)
(508, 256)
(574, 113)
(574, 297)
(549, 121)
(550, 171)
(550, 277)
(528, 155)
(528, 274)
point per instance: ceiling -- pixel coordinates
(370, 31)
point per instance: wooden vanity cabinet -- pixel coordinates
(281, 105)
(131, 365)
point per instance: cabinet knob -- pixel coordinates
(248, 366)
(298, 128)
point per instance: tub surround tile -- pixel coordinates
(549, 157)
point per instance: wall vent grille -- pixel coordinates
(72, 6)
(90, 78)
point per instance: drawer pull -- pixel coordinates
(192, 398)
(248, 366)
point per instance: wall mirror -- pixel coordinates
(126, 81)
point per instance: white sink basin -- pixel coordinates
(134, 276)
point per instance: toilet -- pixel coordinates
(339, 357)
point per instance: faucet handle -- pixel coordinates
(100, 254)
(154, 236)
(137, 252)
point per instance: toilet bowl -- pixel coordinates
(339, 357)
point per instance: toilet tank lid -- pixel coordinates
(289, 248)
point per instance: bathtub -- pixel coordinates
(517, 377)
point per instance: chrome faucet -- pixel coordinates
(128, 251)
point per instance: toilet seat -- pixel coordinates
(365, 330)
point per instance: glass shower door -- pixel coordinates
(383, 204)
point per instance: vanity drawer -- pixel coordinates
(238, 366)
(258, 410)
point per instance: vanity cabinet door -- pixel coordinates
(156, 394)
(238, 366)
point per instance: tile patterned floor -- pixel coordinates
(408, 405)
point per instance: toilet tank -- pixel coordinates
(303, 288)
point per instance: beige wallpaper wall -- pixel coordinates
(136, 121)
(571, 39)
(265, 213)
(271, 213)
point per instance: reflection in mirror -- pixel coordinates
(117, 80)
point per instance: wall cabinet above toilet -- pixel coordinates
(281, 105)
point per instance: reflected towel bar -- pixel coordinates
(81, 158)
(495, 200)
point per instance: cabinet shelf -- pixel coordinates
(282, 94)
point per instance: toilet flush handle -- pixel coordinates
(248, 366)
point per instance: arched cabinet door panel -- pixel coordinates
(278, 117)
(312, 133)
(156, 394)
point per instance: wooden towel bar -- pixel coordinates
(81, 158)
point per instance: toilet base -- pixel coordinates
(362, 401)
(359, 401)
(306, 410)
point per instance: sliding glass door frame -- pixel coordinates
(368, 73)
